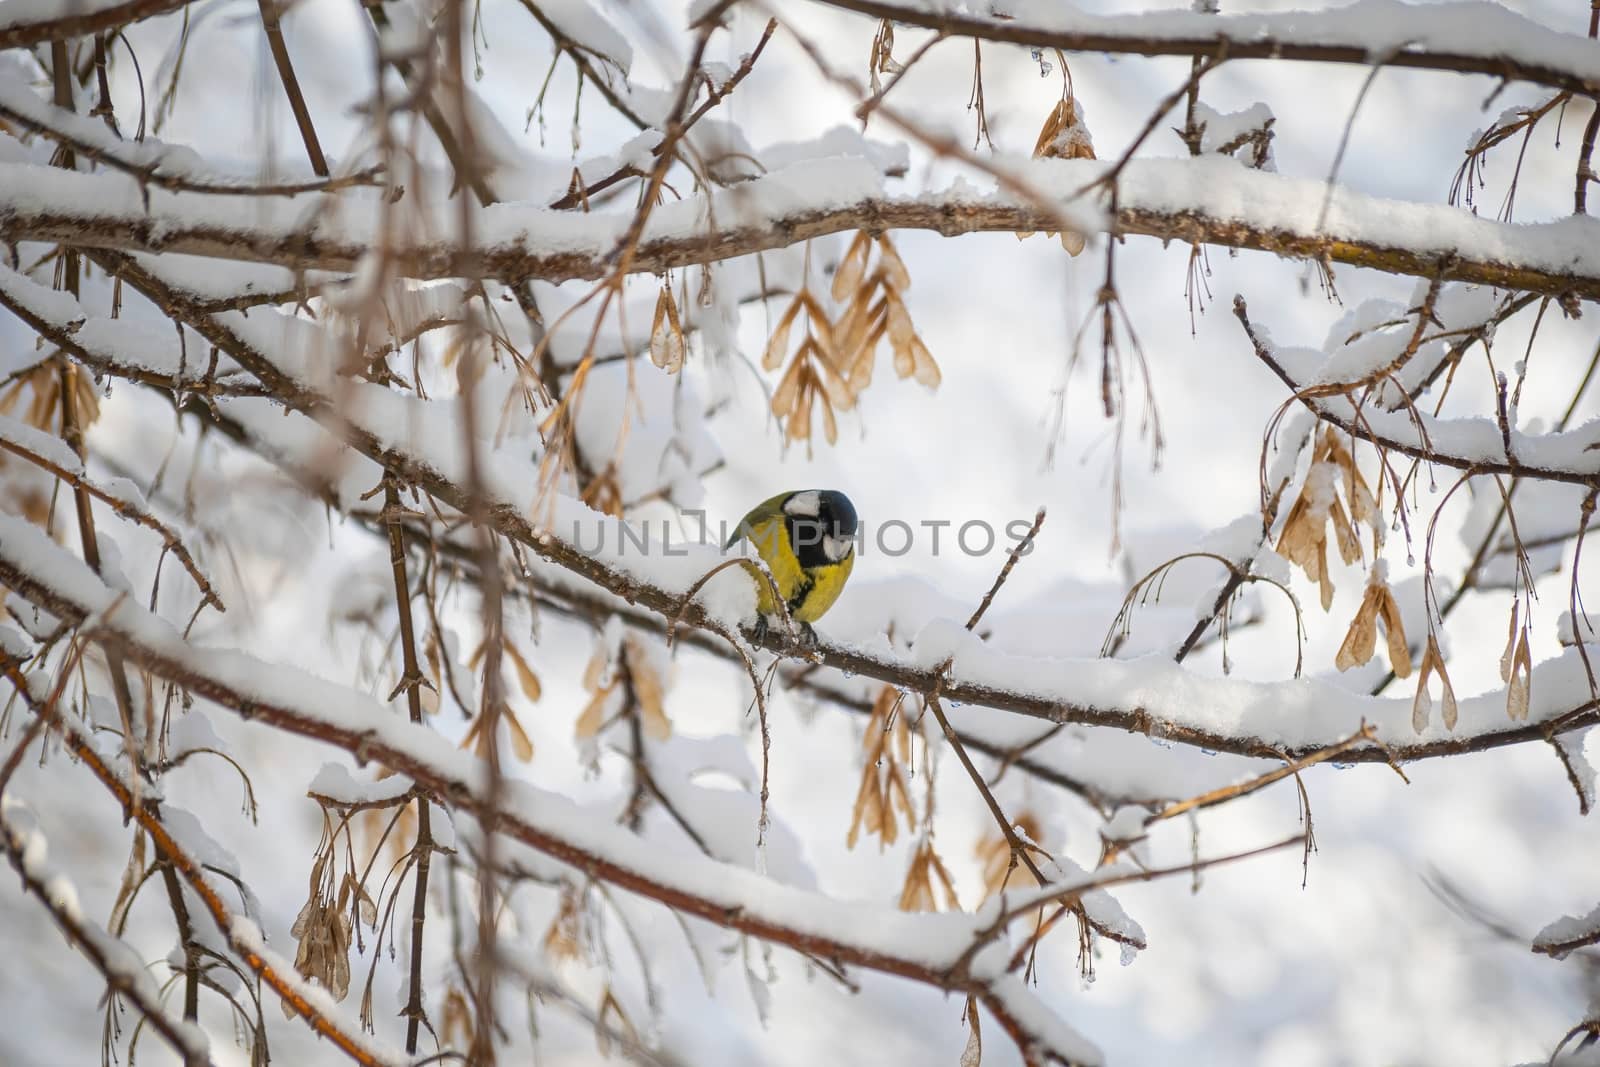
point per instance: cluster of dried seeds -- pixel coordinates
(884, 797)
(1378, 606)
(324, 926)
(477, 738)
(928, 885)
(834, 360)
(619, 678)
(1304, 539)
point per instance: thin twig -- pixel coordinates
(127, 510)
(96, 946)
(270, 15)
(411, 682)
(232, 928)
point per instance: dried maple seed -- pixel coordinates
(884, 796)
(666, 333)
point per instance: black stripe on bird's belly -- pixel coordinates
(801, 592)
(805, 537)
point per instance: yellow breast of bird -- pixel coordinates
(826, 585)
(807, 593)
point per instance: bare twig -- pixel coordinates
(234, 930)
(411, 681)
(108, 955)
(271, 13)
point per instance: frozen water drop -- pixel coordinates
(1411, 560)
(1128, 953)
(849, 674)
(1208, 751)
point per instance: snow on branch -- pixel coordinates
(1154, 696)
(25, 23)
(1568, 934)
(934, 949)
(51, 454)
(123, 969)
(309, 456)
(150, 162)
(242, 934)
(1476, 445)
(125, 349)
(1205, 201)
(1467, 38)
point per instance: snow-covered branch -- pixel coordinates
(1212, 201)
(1568, 934)
(931, 949)
(25, 23)
(52, 455)
(240, 932)
(1476, 445)
(1464, 38)
(124, 972)
(149, 162)
(118, 347)
(1282, 720)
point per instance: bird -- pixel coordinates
(807, 539)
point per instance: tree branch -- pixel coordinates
(1367, 426)
(240, 934)
(114, 958)
(1200, 201)
(897, 943)
(1413, 35)
(24, 24)
(1283, 720)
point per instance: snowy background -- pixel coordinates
(1365, 962)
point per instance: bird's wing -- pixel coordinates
(770, 537)
(759, 516)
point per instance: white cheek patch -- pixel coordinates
(807, 504)
(837, 548)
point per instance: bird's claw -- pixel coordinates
(805, 638)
